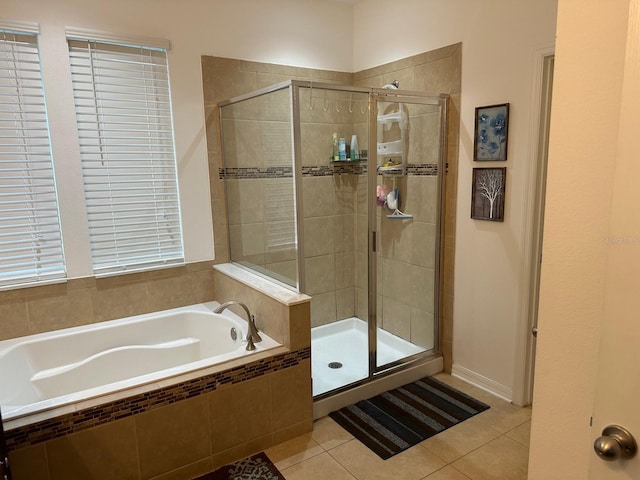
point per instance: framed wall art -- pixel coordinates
(487, 194)
(491, 133)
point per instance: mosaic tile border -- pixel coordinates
(109, 412)
(334, 168)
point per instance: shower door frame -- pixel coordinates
(374, 96)
(403, 97)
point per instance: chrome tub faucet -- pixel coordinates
(252, 333)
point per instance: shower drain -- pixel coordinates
(335, 365)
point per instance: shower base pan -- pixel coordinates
(339, 353)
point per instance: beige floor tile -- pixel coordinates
(521, 433)
(329, 434)
(506, 417)
(294, 451)
(412, 464)
(453, 381)
(447, 473)
(320, 467)
(500, 459)
(461, 439)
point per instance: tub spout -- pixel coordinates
(252, 334)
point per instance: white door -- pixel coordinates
(617, 399)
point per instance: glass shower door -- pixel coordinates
(334, 233)
(257, 140)
(407, 227)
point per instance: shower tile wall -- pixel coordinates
(335, 205)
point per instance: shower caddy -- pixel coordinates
(393, 150)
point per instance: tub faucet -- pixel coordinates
(252, 333)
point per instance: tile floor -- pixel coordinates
(492, 445)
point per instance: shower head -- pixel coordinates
(393, 85)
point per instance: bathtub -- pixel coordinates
(47, 371)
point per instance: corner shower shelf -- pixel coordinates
(392, 171)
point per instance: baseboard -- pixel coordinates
(322, 408)
(480, 381)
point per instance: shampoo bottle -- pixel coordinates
(335, 155)
(355, 151)
(342, 149)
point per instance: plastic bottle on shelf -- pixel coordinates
(335, 156)
(342, 149)
(355, 151)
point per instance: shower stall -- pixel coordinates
(336, 192)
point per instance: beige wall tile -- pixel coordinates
(396, 318)
(291, 397)
(423, 239)
(104, 452)
(344, 232)
(422, 328)
(172, 436)
(320, 274)
(119, 301)
(247, 408)
(318, 236)
(345, 270)
(29, 463)
(245, 199)
(438, 76)
(299, 326)
(317, 196)
(323, 308)
(15, 319)
(286, 272)
(345, 303)
(170, 292)
(247, 241)
(55, 312)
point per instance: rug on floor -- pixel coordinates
(398, 419)
(256, 467)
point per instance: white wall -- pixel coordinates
(499, 39)
(302, 33)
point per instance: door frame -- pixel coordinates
(534, 207)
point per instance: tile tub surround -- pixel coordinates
(184, 430)
(26, 311)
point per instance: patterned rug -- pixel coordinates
(398, 419)
(256, 467)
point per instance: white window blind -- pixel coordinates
(123, 112)
(30, 238)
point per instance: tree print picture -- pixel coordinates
(487, 194)
(491, 126)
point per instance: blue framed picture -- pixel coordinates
(491, 133)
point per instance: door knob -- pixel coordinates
(615, 442)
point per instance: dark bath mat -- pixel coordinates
(398, 419)
(256, 467)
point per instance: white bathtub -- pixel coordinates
(49, 370)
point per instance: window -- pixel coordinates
(30, 238)
(123, 112)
